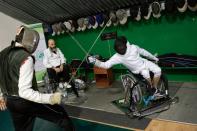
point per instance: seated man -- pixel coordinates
(129, 55)
(54, 61)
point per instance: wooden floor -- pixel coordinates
(161, 125)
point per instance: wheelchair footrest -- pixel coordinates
(155, 108)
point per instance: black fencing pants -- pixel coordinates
(61, 76)
(24, 112)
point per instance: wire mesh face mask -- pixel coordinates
(28, 38)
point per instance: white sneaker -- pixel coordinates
(66, 85)
(61, 85)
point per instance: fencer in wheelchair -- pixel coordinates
(129, 55)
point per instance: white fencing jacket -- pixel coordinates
(131, 59)
(52, 59)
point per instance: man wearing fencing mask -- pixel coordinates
(18, 87)
(129, 55)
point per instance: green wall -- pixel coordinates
(167, 34)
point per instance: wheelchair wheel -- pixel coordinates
(139, 91)
(128, 81)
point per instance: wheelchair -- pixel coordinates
(137, 98)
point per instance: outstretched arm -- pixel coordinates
(108, 64)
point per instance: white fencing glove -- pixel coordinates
(91, 59)
(55, 98)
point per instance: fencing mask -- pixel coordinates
(120, 45)
(28, 38)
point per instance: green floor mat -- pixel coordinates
(6, 121)
(41, 125)
(82, 125)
